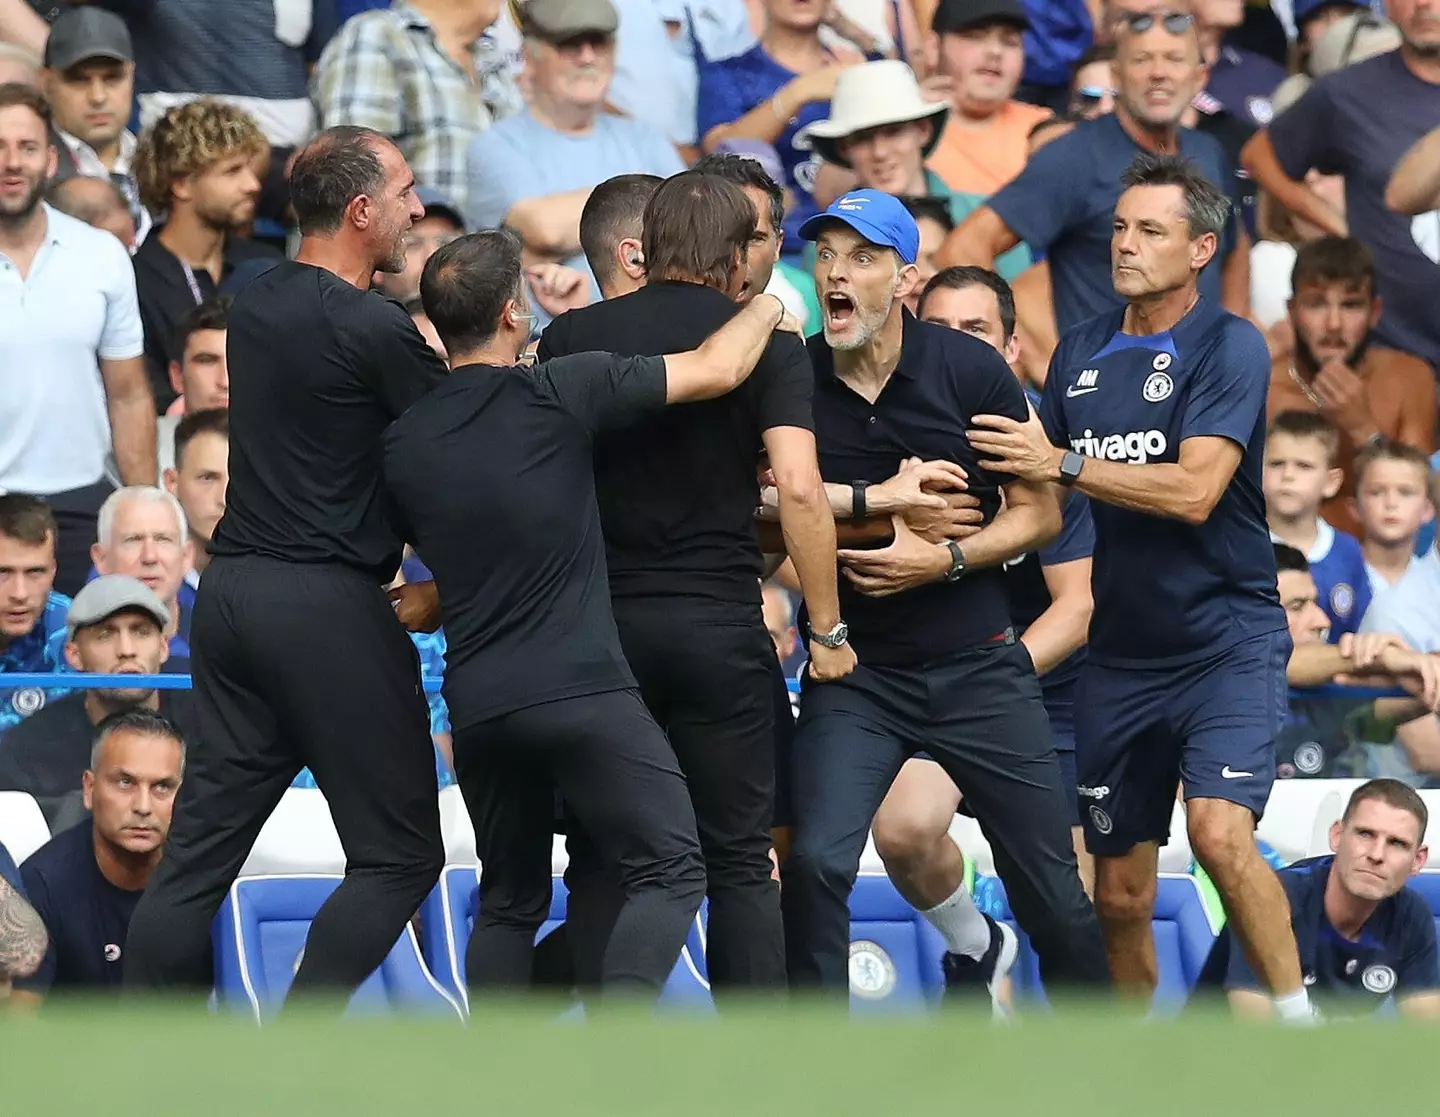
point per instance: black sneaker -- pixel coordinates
(966, 978)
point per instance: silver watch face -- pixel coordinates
(834, 638)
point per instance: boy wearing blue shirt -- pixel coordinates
(1300, 475)
(1366, 941)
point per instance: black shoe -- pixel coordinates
(968, 979)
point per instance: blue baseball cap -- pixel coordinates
(878, 217)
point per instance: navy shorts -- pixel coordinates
(1210, 724)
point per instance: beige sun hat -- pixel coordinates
(1351, 39)
(868, 96)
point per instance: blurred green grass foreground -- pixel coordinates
(106, 1060)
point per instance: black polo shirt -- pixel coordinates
(167, 293)
(319, 369)
(46, 754)
(494, 473)
(678, 493)
(943, 378)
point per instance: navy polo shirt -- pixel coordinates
(1393, 957)
(87, 916)
(943, 378)
(1168, 592)
(1073, 225)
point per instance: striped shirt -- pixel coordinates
(386, 71)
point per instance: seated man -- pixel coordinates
(86, 881)
(1319, 731)
(1365, 940)
(23, 940)
(117, 627)
(141, 531)
(534, 171)
(32, 614)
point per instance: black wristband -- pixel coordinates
(857, 499)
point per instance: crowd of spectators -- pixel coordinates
(156, 135)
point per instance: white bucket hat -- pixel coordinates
(1357, 37)
(868, 96)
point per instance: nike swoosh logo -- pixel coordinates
(1228, 773)
(1072, 391)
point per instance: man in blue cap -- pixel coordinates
(941, 670)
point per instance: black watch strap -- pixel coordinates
(857, 499)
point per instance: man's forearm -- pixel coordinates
(1017, 530)
(1056, 634)
(1415, 183)
(809, 529)
(1163, 489)
(1314, 665)
(20, 25)
(727, 357)
(23, 939)
(132, 433)
(550, 224)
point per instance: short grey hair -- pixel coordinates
(143, 723)
(1207, 209)
(105, 521)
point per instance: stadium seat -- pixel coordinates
(455, 828)
(299, 837)
(449, 914)
(894, 953)
(1183, 938)
(23, 829)
(1428, 885)
(1298, 817)
(1431, 800)
(259, 935)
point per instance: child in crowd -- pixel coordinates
(1392, 501)
(1300, 475)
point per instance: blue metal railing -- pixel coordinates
(76, 680)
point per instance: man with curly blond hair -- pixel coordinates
(199, 168)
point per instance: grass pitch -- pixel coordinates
(94, 1060)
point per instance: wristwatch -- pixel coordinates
(835, 638)
(1070, 465)
(857, 499)
(957, 561)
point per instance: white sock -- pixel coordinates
(960, 924)
(1294, 1007)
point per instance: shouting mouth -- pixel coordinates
(839, 311)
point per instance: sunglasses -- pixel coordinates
(1092, 94)
(1176, 23)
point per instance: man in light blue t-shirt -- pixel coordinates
(534, 171)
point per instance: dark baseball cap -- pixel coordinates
(80, 34)
(961, 15)
(110, 594)
(437, 204)
(558, 20)
(1308, 9)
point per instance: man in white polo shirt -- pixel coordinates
(72, 377)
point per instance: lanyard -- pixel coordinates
(192, 283)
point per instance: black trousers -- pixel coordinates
(978, 714)
(706, 671)
(297, 665)
(76, 512)
(619, 778)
